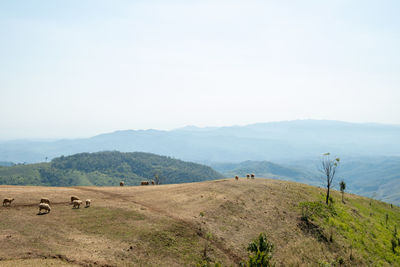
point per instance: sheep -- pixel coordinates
(77, 203)
(88, 201)
(237, 177)
(152, 182)
(45, 200)
(248, 176)
(44, 206)
(252, 176)
(144, 183)
(121, 183)
(74, 198)
(7, 201)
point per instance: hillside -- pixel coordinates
(369, 152)
(186, 224)
(376, 177)
(106, 168)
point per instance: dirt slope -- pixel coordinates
(170, 225)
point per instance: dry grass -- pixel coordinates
(160, 225)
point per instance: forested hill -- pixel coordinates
(105, 169)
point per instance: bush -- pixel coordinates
(311, 209)
(261, 252)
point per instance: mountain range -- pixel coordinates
(274, 141)
(289, 150)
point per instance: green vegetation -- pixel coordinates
(261, 252)
(363, 225)
(106, 169)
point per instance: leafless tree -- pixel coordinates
(157, 179)
(328, 169)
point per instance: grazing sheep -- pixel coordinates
(121, 183)
(144, 183)
(88, 201)
(237, 177)
(7, 201)
(77, 203)
(248, 176)
(44, 206)
(152, 182)
(74, 198)
(252, 176)
(45, 200)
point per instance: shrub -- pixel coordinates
(311, 209)
(261, 252)
(394, 245)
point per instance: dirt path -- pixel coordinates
(191, 225)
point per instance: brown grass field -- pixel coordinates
(165, 225)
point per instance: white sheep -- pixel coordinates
(88, 201)
(45, 200)
(74, 198)
(77, 203)
(44, 206)
(7, 201)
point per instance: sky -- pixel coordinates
(79, 68)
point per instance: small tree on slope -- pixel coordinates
(342, 188)
(328, 168)
(261, 250)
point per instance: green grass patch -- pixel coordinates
(367, 225)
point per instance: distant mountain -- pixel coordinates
(369, 151)
(263, 141)
(106, 168)
(6, 163)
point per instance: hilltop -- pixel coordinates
(186, 224)
(267, 169)
(106, 168)
(375, 177)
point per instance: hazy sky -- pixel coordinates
(79, 68)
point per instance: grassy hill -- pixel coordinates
(265, 169)
(106, 168)
(377, 177)
(195, 223)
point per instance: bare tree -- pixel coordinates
(157, 179)
(328, 168)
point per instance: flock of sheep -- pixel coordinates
(122, 183)
(248, 176)
(45, 203)
(76, 202)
